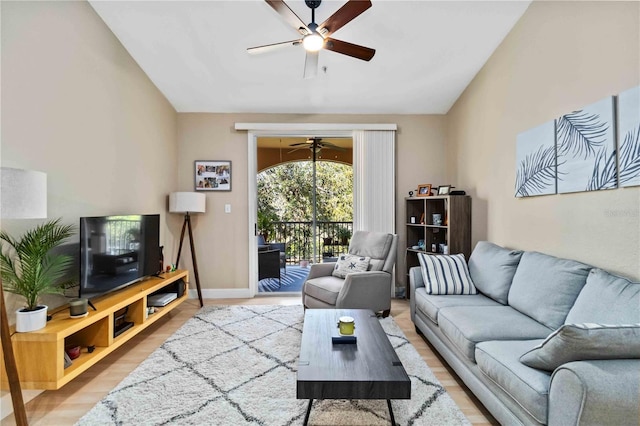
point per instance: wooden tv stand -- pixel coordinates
(40, 354)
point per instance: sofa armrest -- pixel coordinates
(366, 290)
(595, 392)
(415, 282)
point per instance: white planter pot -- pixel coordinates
(31, 320)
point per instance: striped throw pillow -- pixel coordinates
(446, 274)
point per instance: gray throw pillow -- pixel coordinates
(606, 299)
(492, 269)
(576, 342)
(349, 263)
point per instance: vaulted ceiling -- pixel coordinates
(427, 52)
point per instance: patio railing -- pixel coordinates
(299, 239)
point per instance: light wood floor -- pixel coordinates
(66, 405)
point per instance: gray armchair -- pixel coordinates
(358, 290)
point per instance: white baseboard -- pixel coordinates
(222, 293)
(6, 405)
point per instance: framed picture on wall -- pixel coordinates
(212, 175)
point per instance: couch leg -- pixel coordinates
(386, 313)
(419, 331)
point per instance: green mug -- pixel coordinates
(346, 325)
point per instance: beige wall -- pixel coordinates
(222, 239)
(76, 106)
(560, 56)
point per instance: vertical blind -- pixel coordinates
(374, 180)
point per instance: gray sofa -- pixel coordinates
(544, 341)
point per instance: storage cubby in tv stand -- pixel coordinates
(40, 354)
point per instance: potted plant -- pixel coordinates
(343, 234)
(29, 270)
(265, 223)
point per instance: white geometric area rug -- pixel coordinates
(236, 365)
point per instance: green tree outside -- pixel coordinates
(285, 195)
(286, 191)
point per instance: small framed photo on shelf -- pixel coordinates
(213, 175)
(424, 190)
(444, 189)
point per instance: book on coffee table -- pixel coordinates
(339, 339)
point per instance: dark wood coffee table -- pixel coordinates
(369, 369)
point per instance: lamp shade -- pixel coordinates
(187, 202)
(23, 194)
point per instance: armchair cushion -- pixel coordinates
(348, 263)
(325, 289)
(379, 246)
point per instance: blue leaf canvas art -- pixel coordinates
(586, 150)
(536, 161)
(629, 137)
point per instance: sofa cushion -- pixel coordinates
(545, 287)
(430, 304)
(577, 342)
(324, 288)
(498, 360)
(606, 299)
(492, 269)
(444, 274)
(467, 325)
(348, 263)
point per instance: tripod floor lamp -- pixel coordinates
(23, 195)
(187, 203)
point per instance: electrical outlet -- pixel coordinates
(227, 208)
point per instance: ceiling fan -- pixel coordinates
(315, 144)
(316, 37)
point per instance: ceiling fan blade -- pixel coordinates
(348, 12)
(311, 65)
(349, 49)
(297, 149)
(271, 47)
(289, 15)
(329, 145)
(299, 143)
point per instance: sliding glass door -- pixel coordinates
(304, 202)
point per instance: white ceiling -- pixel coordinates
(427, 52)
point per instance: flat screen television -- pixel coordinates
(116, 251)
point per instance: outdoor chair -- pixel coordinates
(282, 247)
(369, 288)
(269, 265)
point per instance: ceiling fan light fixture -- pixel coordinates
(313, 42)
